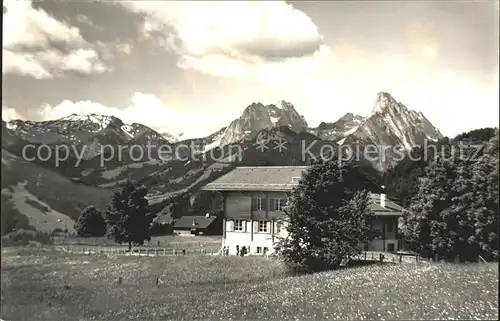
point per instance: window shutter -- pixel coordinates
(244, 226)
(264, 204)
(268, 227)
(230, 226)
(272, 204)
(256, 226)
(254, 204)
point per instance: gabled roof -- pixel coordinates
(390, 208)
(199, 222)
(261, 178)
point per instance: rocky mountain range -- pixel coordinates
(392, 123)
(389, 123)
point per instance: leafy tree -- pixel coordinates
(128, 218)
(181, 205)
(455, 212)
(482, 134)
(206, 201)
(327, 218)
(90, 223)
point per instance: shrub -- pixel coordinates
(24, 237)
(90, 223)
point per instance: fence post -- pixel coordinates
(436, 257)
(400, 258)
(365, 256)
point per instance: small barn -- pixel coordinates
(198, 225)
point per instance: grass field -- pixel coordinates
(210, 243)
(49, 285)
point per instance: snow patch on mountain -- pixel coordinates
(81, 129)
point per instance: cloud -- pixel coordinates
(145, 109)
(225, 38)
(9, 114)
(83, 19)
(36, 44)
(424, 38)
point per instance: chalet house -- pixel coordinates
(254, 198)
(198, 225)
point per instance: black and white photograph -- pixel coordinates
(250, 160)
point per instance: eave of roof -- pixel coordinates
(248, 187)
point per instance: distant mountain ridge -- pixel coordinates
(390, 123)
(81, 129)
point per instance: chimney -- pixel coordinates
(382, 197)
(194, 222)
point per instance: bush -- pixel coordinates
(90, 223)
(57, 231)
(24, 237)
(158, 228)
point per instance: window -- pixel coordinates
(281, 204)
(258, 204)
(390, 228)
(265, 250)
(277, 204)
(238, 225)
(390, 247)
(259, 250)
(263, 226)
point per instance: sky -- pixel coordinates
(193, 67)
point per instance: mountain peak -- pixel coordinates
(257, 117)
(347, 117)
(383, 101)
(283, 104)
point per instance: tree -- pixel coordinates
(128, 218)
(455, 212)
(327, 218)
(90, 223)
(181, 204)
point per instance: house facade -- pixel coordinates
(254, 198)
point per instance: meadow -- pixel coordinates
(43, 284)
(211, 244)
